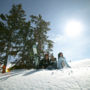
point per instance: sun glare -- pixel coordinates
(73, 29)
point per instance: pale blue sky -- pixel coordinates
(59, 12)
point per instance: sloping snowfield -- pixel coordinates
(76, 78)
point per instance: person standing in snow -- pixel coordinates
(61, 63)
(3, 69)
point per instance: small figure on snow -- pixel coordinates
(3, 69)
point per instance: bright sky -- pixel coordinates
(70, 23)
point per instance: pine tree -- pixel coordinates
(17, 36)
(41, 28)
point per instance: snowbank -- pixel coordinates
(76, 78)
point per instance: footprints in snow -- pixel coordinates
(69, 72)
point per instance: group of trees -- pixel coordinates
(18, 35)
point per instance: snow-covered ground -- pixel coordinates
(76, 78)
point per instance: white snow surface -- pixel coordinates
(75, 78)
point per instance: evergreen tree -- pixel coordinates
(4, 37)
(17, 36)
(41, 28)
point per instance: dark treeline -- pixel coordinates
(17, 36)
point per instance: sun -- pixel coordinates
(73, 28)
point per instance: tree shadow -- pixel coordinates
(31, 72)
(11, 74)
(17, 72)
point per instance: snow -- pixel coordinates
(75, 78)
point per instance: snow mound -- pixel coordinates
(81, 63)
(75, 78)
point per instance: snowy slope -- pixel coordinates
(76, 78)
